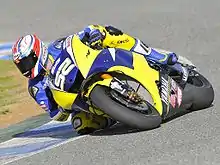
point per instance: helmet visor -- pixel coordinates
(26, 64)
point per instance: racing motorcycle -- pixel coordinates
(125, 86)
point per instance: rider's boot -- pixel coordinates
(85, 123)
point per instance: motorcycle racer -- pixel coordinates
(33, 58)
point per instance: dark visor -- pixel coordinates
(27, 63)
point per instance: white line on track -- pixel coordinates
(48, 148)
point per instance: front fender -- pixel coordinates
(104, 82)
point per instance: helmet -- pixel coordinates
(30, 55)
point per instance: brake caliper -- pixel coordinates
(125, 90)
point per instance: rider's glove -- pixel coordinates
(172, 59)
(95, 38)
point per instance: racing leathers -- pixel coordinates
(96, 36)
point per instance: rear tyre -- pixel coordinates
(101, 98)
(199, 90)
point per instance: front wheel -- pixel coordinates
(100, 97)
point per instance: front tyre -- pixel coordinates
(100, 97)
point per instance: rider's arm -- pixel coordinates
(44, 98)
(113, 38)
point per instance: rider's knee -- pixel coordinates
(85, 123)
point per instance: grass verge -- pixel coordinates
(16, 104)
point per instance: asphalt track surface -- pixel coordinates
(191, 28)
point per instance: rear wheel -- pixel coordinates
(143, 116)
(199, 91)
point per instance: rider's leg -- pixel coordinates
(154, 55)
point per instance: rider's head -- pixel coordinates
(30, 55)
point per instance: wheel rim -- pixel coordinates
(195, 80)
(143, 107)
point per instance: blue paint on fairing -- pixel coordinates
(104, 60)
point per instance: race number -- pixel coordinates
(64, 69)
